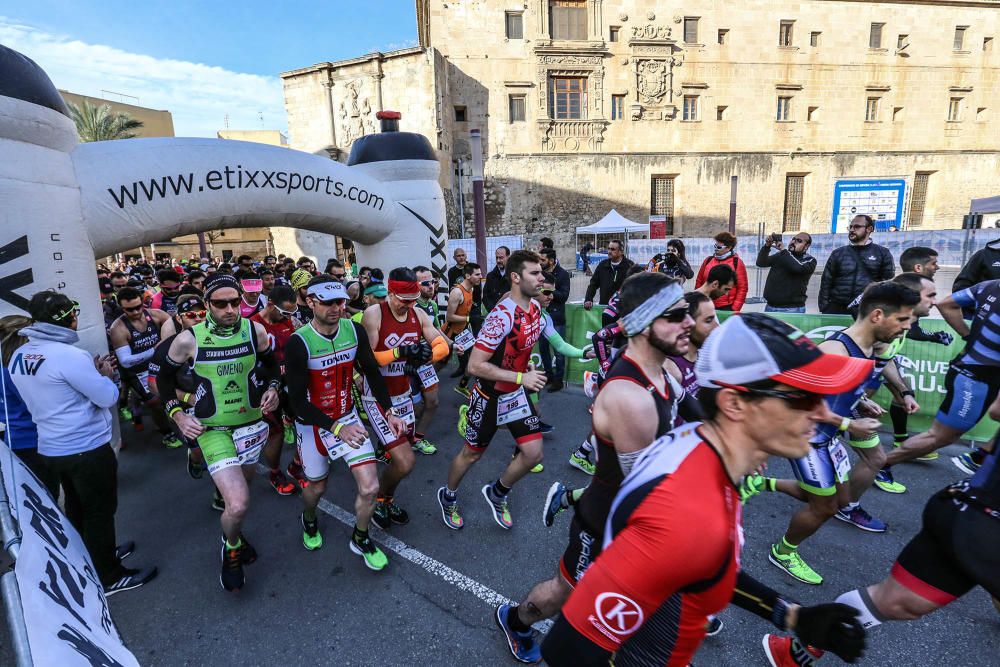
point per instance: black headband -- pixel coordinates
(219, 281)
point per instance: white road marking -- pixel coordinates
(435, 567)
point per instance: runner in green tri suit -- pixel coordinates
(232, 361)
(424, 389)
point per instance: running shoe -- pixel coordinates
(130, 579)
(387, 513)
(231, 578)
(500, 509)
(194, 468)
(788, 652)
(545, 428)
(295, 471)
(280, 483)
(218, 502)
(463, 419)
(424, 446)
(449, 511)
(522, 645)
(753, 485)
(171, 441)
(884, 481)
(538, 467)
(372, 555)
(965, 463)
(860, 518)
(312, 539)
(248, 554)
(124, 550)
(125, 414)
(554, 504)
(463, 391)
(932, 456)
(794, 565)
(713, 627)
(581, 463)
(289, 434)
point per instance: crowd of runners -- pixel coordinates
(237, 362)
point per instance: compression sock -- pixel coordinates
(860, 600)
(898, 415)
(572, 497)
(499, 490)
(586, 448)
(515, 622)
(359, 535)
(784, 547)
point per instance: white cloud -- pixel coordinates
(198, 96)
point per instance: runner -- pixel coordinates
(458, 319)
(424, 384)
(681, 366)
(645, 600)
(299, 280)
(500, 359)
(252, 300)
(170, 288)
(957, 549)
(320, 359)
(134, 337)
(826, 480)
(224, 351)
(656, 320)
(973, 380)
(404, 340)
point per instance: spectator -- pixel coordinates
(983, 265)
(850, 268)
(674, 262)
(608, 276)
(455, 273)
(70, 395)
(919, 259)
(585, 251)
(555, 368)
(725, 253)
(546, 242)
(497, 280)
(791, 269)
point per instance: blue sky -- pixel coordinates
(200, 60)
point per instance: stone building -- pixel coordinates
(820, 108)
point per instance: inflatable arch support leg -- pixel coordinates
(65, 203)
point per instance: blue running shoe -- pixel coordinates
(522, 645)
(859, 518)
(553, 503)
(965, 463)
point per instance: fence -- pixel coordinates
(924, 364)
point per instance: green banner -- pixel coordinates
(924, 365)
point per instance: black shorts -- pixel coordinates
(957, 549)
(482, 422)
(583, 549)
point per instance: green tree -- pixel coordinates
(100, 123)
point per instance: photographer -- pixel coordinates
(674, 262)
(791, 268)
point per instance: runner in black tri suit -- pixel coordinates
(655, 317)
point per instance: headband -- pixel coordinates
(408, 290)
(220, 281)
(653, 307)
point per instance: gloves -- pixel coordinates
(416, 354)
(942, 337)
(832, 627)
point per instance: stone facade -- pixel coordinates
(689, 92)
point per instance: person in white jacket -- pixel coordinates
(69, 396)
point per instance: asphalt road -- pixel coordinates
(433, 604)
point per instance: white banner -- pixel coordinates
(65, 610)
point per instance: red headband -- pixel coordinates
(405, 289)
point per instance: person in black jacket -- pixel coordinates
(609, 275)
(497, 280)
(791, 268)
(850, 268)
(554, 370)
(983, 265)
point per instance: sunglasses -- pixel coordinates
(547, 292)
(286, 313)
(427, 283)
(133, 309)
(194, 314)
(72, 310)
(331, 302)
(675, 315)
(803, 401)
(719, 246)
(222, 303)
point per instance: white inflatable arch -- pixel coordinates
(63, 203)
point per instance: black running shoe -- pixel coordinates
(124, 550)
(130, 579)
(397, 514)
(231, 577)
(248, 554)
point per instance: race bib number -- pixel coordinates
(335, 447)
(403, 407)
(513, 406)
(464, 340)
(841, 461)
(428, 377)
(249, 440)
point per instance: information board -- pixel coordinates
(881, 198)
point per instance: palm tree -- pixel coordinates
(100, 123)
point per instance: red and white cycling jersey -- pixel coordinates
(508, 334)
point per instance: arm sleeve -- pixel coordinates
(166, 379)
(757, 598)
(593, 284)
(297, 381)
(916, 333)
(742, 286)
(365, 359)
(83, 377)
(764, 257)
(602, 345)
(561, 346)
(690, 409)
(439, 349)
(383, 357)
(128, 360)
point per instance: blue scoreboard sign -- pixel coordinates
(881, 198)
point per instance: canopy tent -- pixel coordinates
(614, 223)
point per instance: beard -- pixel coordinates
(670, 349)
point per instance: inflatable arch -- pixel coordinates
(63, 203)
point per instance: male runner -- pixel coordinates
(973, 379)
(299, 281)
(170, 288)
(404, 339)
(720, 281)
(134, 337)
(655, 318)
(424, 384)
(681, 366)
(224, 351)
(320, 359)
(500, 359)
(828, 484)
(458, 321)
(645, 600)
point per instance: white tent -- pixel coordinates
(614, 223)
